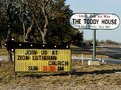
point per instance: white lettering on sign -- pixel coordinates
(94, 21)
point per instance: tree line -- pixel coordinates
(99, 43)
(38, 21)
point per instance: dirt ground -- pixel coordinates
(103, 77)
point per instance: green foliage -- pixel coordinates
(3, 22)
(20, 16)
(77, 38)
(109, 42)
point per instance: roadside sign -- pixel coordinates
(95, 21)
(42, 60)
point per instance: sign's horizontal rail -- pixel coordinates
(23, 45)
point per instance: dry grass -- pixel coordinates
(3, 52)
(101, 77)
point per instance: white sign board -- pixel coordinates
(94, 21)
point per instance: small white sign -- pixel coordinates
(94, 21)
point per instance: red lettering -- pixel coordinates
(45, 68)
(52, 68)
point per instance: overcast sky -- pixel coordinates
(98, 6)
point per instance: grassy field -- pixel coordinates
(3, 52)
(103, 77)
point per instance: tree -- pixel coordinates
(26, 19)
(40, 12)
(52, 20)
(30, 19)
(59, 30)
(35, 20)
(77, 38)
(3, 23)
